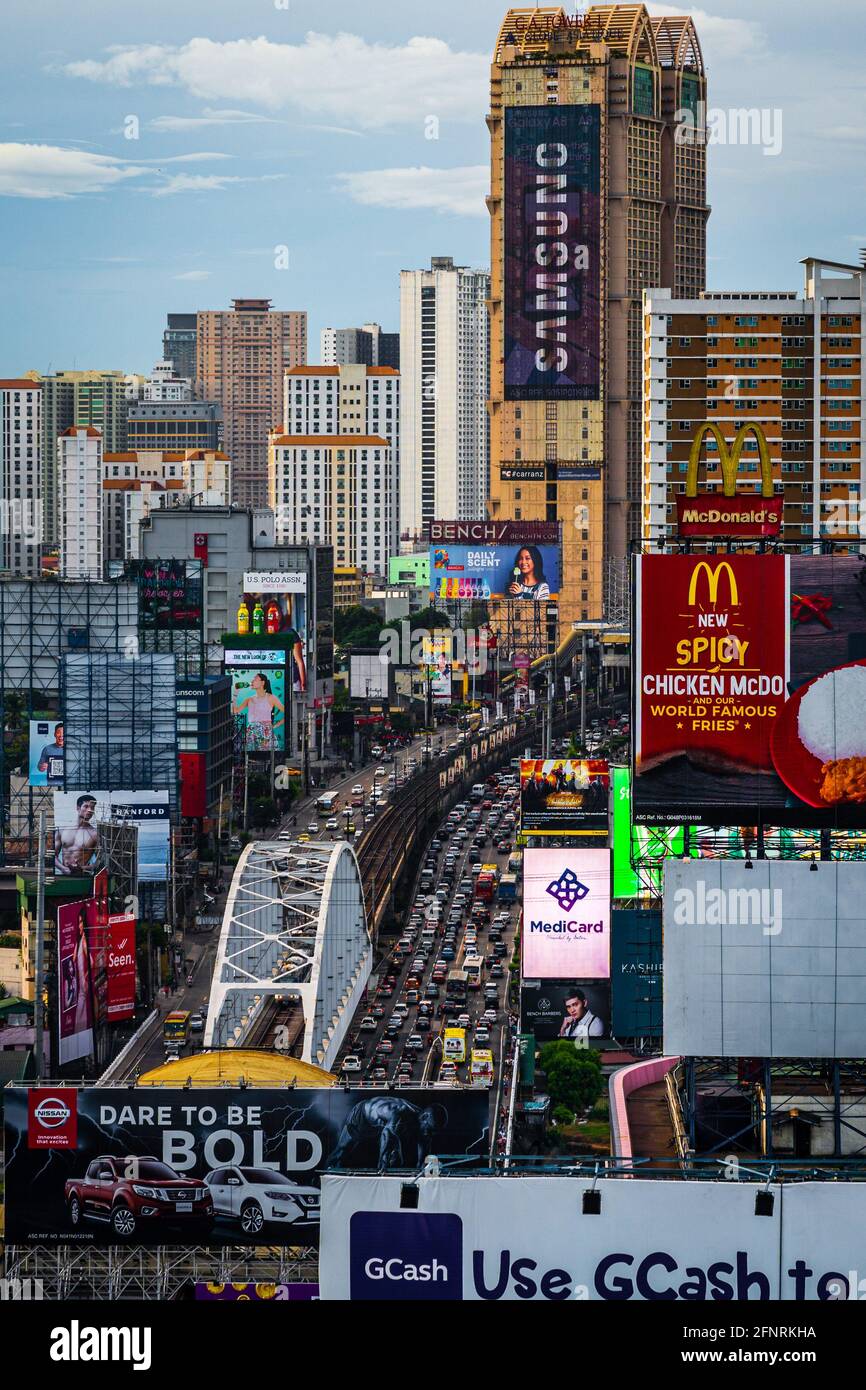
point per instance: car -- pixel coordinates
(414, 1043)
(378, 1074)
(401, 1009)
(332, 823)
(463, 1021)
(386, 990)
(358, 835)
(448, 952)
(499, 949)
(369, 817)
(351, 1063)
(313, 827)
(196, 1022)
(135, 1194)
(482, 1037)
(489, 1016)
(425, 1008)
(393, 1026)
(358, 791)
(384, 1046)
(368, 1024)
(378, 1010)
(496, 970)
(412, 996)
(285, 835)
(303, 837)
(423, 1024)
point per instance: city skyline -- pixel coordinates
(330, 114)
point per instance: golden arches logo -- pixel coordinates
(729, 458)
(714, 574)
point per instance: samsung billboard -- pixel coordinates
(552, 228)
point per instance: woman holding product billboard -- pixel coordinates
(529, 581)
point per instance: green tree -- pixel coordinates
(562, 1115)
(574, 1076)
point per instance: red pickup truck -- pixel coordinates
(138, 1195)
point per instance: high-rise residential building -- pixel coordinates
(367, 344)
(790, 363)
(444, 435)
(174, 425)
(598, 192)
(136, 483)
(21, 477)
(164, 384)
(242, 354)
(179, 344)
(349, 502)
(79, 478)
(98, 399)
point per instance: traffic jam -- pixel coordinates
(440, 999)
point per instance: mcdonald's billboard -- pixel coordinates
(729, 513)
(749, 690)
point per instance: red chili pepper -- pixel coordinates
(805, 607)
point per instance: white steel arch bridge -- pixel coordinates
(294, 927)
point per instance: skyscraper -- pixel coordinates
(69, 398)
(444, 443)
(79, 477)
(595, 197)
(21, 476)
(242, 354)
(178, 344)
(339, 347)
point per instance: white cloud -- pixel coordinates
(720, 37)
(460, 191)
(193, 275)
(204, 183)
(210, 116)
(50, 171)
(342, 77)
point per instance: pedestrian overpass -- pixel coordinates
(294, 928)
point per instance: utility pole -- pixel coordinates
(38, 1011)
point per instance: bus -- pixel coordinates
(481, 1067)
(456, 985)
(454, 1045)
(486, 882)
(473, 967)
(175, 1028)
(327, 803)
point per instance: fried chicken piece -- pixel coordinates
(844, 780)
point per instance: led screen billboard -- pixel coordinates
(552, 231)
(644, 845)
(566, 914)
(750, 682)
(157, 1166)
(514, 570)
(368, 675)
(564, 796)
(47, 754)
(78, 845)
(571, 1009)
(764, 960)
(74, 984)
(636, 973)
(169, 593)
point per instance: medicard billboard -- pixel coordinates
(766, 959)
(552, 233)
(564, 796)
(578, 1010)
(78, 846)
(153, 1166)
(750, 683)
(566, 914)
(47, 753)
(528, 1238)
(519, 570)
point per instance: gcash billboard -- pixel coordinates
(552, 229)
(750, 682)
(566, 914)
(527, 1238)
(764, 961)
(564, 796)
(216, 1167)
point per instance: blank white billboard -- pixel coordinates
(767, 961)
(368, 676)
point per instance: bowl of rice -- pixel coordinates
(818, 744)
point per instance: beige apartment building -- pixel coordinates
(587, 174)
(790, 362)
(242, 354)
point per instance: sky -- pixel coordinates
(175, 155)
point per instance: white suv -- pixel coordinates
(256, 1196)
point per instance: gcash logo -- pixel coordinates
(714, 574)
(405, 1255)
(567, 890)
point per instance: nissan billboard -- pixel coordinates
(161, 1166)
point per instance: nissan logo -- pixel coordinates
(51, 1112)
